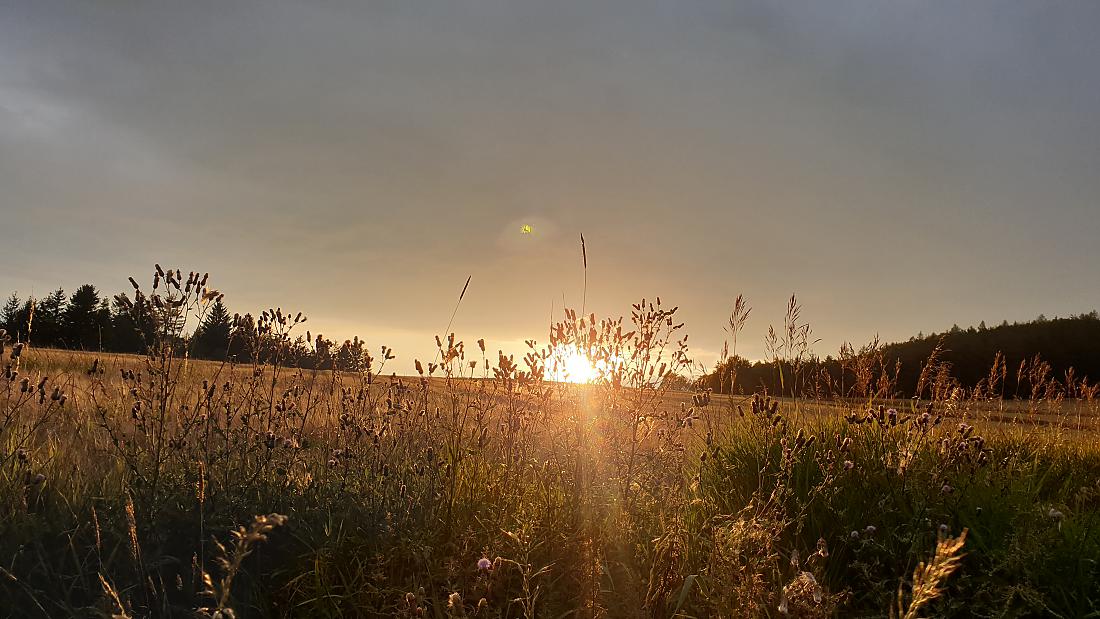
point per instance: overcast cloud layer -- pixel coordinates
(902, 166)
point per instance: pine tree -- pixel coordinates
(106, 325)
(12, 319)
(131, 323)
(244, 343)
(48, 318)
(83, 319)
(211, 339)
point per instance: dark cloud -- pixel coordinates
(902, 165)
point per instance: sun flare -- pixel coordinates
(570, 364)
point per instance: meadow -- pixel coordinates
(162, 486)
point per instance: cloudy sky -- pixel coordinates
(901, 166)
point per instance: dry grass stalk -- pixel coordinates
(929, 578)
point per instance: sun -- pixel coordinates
(569, 364)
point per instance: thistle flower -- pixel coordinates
(484, 564)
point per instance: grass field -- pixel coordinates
(159, 486)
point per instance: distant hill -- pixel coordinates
(965, 355)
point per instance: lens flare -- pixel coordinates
(572, 364)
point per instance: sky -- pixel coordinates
(900, 166)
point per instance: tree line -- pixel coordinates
(134, 323)
(1034, 359)
(1020, 360)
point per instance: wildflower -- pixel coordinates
(944, 529)
(854, 535)
(1055, 514)
(947, 489)
(822, 548)
(848, 465)
(870, 530)
(454, 600)
(484, 564)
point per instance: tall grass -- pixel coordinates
(479, 487)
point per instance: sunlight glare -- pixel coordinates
(572, 365)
